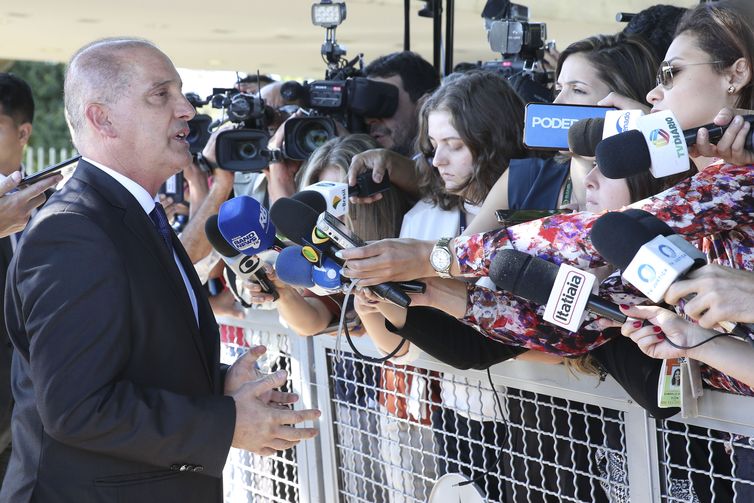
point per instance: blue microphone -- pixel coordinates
(293, 268)
(246, 225)
(327, 275)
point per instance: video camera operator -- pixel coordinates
(252, 83)
(414, 77)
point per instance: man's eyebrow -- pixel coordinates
(164, 82)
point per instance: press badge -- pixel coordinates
(669, 387)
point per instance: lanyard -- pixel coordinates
(567, 191)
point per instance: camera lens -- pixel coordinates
(246, 150)
(240, 108)
(313, 135)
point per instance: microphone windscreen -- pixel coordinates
(311, 198)
(216, 239)
(328, 275)
(293, 268)
(246, 225)
(650, 222)
(618, 237)
(523, 275)
(623, 155)
(584, 136)
(295, 219)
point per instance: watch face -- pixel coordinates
(440, 259)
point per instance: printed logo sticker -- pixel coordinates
(659, 137)
(250, 240)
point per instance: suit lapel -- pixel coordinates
(139, 223)
(208, 330)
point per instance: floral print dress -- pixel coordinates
(714, 209)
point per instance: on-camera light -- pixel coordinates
(327, 14)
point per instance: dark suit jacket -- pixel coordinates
(118, 393)
(6, 350)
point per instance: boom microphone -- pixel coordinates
(564, 290)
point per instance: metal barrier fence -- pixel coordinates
(387, 433)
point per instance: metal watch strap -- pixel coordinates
(443, 243)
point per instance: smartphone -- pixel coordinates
(546, 124)
(344, 238)
(338, 231)
(48, 171)
(365, 186)
(173, 187)
(513, 217)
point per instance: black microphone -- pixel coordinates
(298, 222)
(627, 154)
(311, 198)
(619, 236)
(636, 230)
(534, 279)
(243, 266)
(585, 135)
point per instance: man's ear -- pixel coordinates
(24, 133)
(98, 116)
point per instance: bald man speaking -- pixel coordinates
(119, 392)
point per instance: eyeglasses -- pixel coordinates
(665, 73)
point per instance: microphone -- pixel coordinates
(298, 222)
(311, 198)
(658, 145)
(650, 261)
(327, 276)
(335, 195)
(651, 255)
(244, 266)
(292, 268)
(565, 291)
(246, 225)
(586, 134)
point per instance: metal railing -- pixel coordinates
(561, 438)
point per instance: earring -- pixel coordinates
(731, 89)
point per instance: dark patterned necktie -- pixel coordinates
(160, 220)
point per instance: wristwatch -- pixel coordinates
(441, 258)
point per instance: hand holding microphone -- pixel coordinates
(732, 144)
(720, 294)
(658, 145)
(299, 222)
(652, 257)
(667, 335)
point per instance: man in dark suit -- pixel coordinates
(16, 116)
(119, 392)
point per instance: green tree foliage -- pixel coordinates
(46, 81)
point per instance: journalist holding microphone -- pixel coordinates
(119, 392)
(707, 68)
